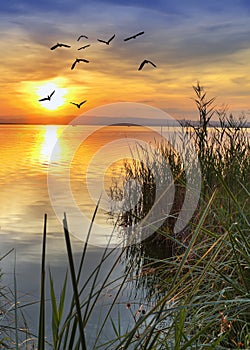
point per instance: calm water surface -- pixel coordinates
(27, 154)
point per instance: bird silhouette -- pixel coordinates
(84, 47)
(106, 42)
(48, 98)
(78, 105)
(59, 45)
(77, 60)
(144, 62)
(82, 36)
(133, 36)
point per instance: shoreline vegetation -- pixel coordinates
(196, 283)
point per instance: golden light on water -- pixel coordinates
(49, 148)
(50, 138)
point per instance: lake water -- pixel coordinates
(47, 167)
(57, 169)
(65, 169)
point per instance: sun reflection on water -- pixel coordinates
(49, 146)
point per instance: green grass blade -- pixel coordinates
(10, 251)
(95, 274)
(55, 318)
(122, 283)
(240, 268)
(62, 298)
(179, 327)
(200, 333)
(74, 283)
(41, 331)
(87, 240)
(232, 196)
(72, 335)
(66, 327)
(193, 239)
(60, 310)
(15, 295)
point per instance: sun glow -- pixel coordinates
(57, 99)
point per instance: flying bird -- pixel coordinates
(144, 62)
(59, 45)
(84, 47)
(48, 98)
(77, 60)
(106, 42)
(82, 36)
(133, 36)
(78, 105)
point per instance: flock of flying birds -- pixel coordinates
(78, 60)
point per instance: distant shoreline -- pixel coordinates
(170, 123)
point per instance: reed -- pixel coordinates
(203, 293)
(223, 150)
(14, 331)
(6, 305)
(207, 265)
(41, 327)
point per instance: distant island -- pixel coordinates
(134, 122)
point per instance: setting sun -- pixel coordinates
(56, 100)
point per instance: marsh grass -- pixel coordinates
(203, 298)
(223, 150)
(14, 330)
(211, 256)
(6, 305)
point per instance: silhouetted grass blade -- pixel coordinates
(74, 283)
(41, 333)
(15, 294)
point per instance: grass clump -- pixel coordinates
(222, 151)
(14, 331)
(205, 268)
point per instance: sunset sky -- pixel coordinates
(189, 41)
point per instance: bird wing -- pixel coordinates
(142, 64)
(133, 36)
(83, 47)
(73, 103)
(152, 63)
(140, 33)
(82, 102)
(73, 65)
(112, 37)
(82, 36)
(43, 99)
(126, 39)
(64, 45)
(102, 41)
(54, 47)
(83, 60)
(52, 93)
